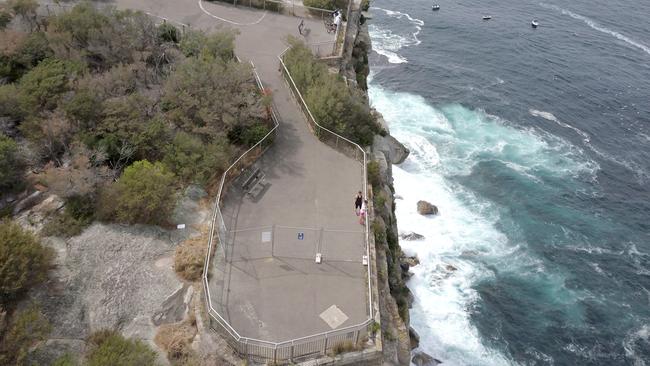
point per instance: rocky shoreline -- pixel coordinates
(395, 298)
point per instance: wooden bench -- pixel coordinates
(253, 185)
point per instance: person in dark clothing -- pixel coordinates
(358, 201)
(301, 26)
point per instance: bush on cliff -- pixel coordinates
(26, 327)
(10, 164)
(24, 262)
(332, 103)
(111, 348)
(144, 194)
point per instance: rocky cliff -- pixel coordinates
(392, 269)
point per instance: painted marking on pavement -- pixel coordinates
(226, 20)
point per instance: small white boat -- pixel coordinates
(534, 23)
(487, 17)
(435, 7)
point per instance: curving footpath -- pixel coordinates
(309, 185)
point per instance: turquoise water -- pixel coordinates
(534, 146)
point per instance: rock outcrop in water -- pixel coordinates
(426, 208)
(411, 236)
(423, 359)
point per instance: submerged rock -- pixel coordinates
(423, 359)
(411, 236)
(426, 208)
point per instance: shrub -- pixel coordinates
(9, 101)
(247, 135)
(24, 262)
(26, 328)
(220, 45)
(176, 339)
(365, 5)
(10, 164)
(144, 194)
(189, 258)
(331, 102)
(168, 33)
(65, 360)
(5, 18)
(192, 160)
(84, 107)
(79, 212)
(113, 349)
(374, 178)
(343, 347)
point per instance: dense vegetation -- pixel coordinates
(333, 105)
(88, 93)
(24, 262)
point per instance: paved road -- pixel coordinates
(280, 296)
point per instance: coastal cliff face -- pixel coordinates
(392, 271)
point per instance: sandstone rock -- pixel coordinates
(415, 338)
(34, 218)
(395, 152)
(411, 236)
(423, 359)
(412, 261)
(426, 208)
(28, 202)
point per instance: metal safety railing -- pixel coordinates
(339, 142)
(254, 349)
(287, 7)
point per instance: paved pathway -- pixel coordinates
(279, 297)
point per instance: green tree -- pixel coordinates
(26, 328)
(10, 164)
(42, 86)
(24, 262)
(144, 193)
(113, 349)
(9, 101)
(207, 97)
(194, 161)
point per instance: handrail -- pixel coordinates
(365, 173)
(217, 216)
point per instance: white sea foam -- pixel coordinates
(388, 43)
(599, 27)
(447, 142)
(629, 343)
(549, 116)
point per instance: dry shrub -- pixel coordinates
(190, 257)
(344, 347)
(176, 339)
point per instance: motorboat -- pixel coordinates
(435, 7)
(487, 17)
(534, 23)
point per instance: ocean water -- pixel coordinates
(535, 146)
